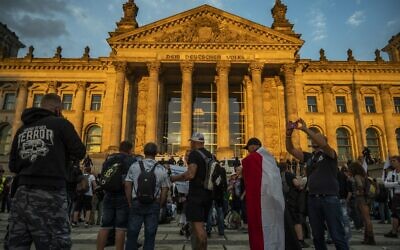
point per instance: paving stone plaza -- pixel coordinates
(168, 238)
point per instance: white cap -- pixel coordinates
(199, 137)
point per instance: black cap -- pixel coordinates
(252, 141)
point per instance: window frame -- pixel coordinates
(33, 99)
(95, 106)
(8, 139)
(370, 109)
(396, 107)
(348, 148)
(344, 105)
(310, 107)
(88, 136)
(6, 104)
(64, 103)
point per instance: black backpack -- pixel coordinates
(213, 172)
(146, 184)
(113, 173)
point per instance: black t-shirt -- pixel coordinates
(343, 185)
(292, 195)
(196, 185)
(127, 160)
(322, 172)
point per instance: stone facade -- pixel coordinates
(128, 94)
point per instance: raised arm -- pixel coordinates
(297, 153)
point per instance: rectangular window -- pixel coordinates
(396, 102)
(341, 104)
(370, 104)
(9, 101)
(37, 98)
(312, 104)
(67, 101)
(96, 102)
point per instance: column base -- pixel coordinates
(224, 153)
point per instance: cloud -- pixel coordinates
(356, 19)
(35, 19)
(318, 23)
(392, 22)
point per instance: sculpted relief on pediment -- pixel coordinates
(206, 30)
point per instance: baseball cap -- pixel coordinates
(252, 141)
(199, 137)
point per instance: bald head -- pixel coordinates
(52, 102)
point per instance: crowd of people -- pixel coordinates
(277, 203)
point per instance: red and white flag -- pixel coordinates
(265, 204)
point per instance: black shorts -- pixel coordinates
(396, 206)
(197, 208)
(295, 215)
(83, 202)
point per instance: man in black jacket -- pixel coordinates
(39, 153)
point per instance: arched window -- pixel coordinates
(344, 144)
(398, 139)
(373, 143)
(93, 139)
(5, 139)
(309, 142)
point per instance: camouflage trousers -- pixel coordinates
(39, 216)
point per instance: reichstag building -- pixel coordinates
(209, 71)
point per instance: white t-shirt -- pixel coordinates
(91, 178)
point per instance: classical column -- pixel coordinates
(20, 101)
(256, 69)
(186, 104)
(52, 87)
(291, 98)
(116, 125)
(79, 103)
(249, 107)
(359, 128)
(223, 148)
(387, 108)
(152, 102)
(329, 109)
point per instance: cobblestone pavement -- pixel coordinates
(168, 238)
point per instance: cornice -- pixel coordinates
(206, 46)
(352, 67)
(50, 64)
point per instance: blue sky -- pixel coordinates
(335, 25)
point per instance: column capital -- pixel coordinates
(223, 67)
(120, 66)
(385, 88)
(52, 86)
(23, 84)
(327, 88)
(187, 67)
(289, 68)
(256, 66)
(246, 80)
(81, 85)
(154, 66)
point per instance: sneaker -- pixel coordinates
(390, 235)
(86, 225)
(74, 224)
(303, 244)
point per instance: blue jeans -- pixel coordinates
(327, 210)
(220, 219)
(346, 220)
(139, 214)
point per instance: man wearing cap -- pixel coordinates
(199, 199)
(264, 200)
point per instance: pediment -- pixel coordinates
(204, 25)
(368, 90)
(342, 90)
(312, 90)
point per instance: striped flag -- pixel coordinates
(264, 201)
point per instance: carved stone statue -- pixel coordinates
(58, 52)
(128, 21)
(322, 56)
(350, 56)
(378, 57)
(86, 53)
(29, 55)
